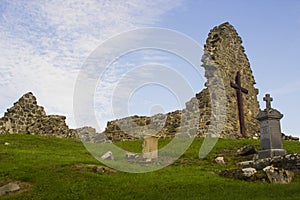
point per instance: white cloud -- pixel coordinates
(44, 43)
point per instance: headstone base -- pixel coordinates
(269, 153)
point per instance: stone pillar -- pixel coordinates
(270, 131)
(150, 147)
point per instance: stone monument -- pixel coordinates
(150, 147)
(270, 131)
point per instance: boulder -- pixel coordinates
(248, 172)
(277, 175)
(220, 160)
(10, 187)
(246, 150)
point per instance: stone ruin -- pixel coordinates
(224, 52)
(27, 117)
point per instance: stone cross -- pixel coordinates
(239, 91)
(268, 100)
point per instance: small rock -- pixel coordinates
(248, 172)
(276, 175)
(108, 156)
(103, 169)
(6, 143)
(220, 160)
(246, 150)
(10, 187)
(246, 163)
(148, 160)
(131, 155)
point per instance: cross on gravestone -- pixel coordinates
(270, 131)
(239, 91)
(268, 100)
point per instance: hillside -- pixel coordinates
(54, 168)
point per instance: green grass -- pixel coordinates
(45, 163)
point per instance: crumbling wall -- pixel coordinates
(27, 117)
(223, 53)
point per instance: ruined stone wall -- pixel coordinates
(224, 48)
(223, 55)
(25, 116)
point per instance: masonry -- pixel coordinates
(27, 117)
(223, 51)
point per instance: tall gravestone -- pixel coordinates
(270, 131)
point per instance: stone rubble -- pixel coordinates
(280, 176)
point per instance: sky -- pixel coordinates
(45, 44)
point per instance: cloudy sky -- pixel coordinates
(44, 44)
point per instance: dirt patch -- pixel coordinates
(23, 187)
(93, 168)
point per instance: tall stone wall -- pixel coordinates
(225, 55)
(27, 117)
(224, 47)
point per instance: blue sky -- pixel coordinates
(44, 44)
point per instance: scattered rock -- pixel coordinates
(10, 187)
(220, 160)
(108, 156)
(286, 137)
(288, 162)
(248, 172)
(246, 150)
(131, 155)
(276, 175)
(246, 164)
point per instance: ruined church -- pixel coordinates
(223, 52)
(223, 55)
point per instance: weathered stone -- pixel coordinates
(246, 150)
(220, 160)
(131, 155)
(223, 52)
(276, 175)
(288, 162)
(10, 187)
(150, 147)
(248, 172)
(289, 137)
(108, 156)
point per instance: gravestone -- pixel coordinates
(150, 147)
(270, 131)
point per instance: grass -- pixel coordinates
(46, 164)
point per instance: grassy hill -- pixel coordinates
(53, 168)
